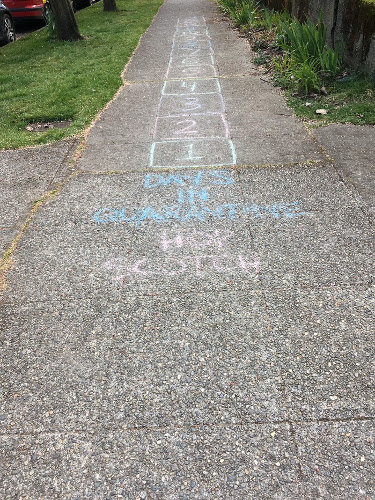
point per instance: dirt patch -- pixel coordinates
(43, 126)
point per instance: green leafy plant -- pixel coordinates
(282, 67)
(330, 61)
(311, 59)
(261, 59)
(245, 13)
(268, 16)
(306, 77)
(281, 17)
(229, 6)
(304, 41)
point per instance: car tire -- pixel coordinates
(8, 33)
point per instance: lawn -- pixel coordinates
(43, 80)
(349, 100)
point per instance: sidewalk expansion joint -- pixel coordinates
(210, 167)
(256, 423)
(6, 261)
(315, 140)
(157, 295)
(296, 452)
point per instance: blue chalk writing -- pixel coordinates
(191, 196)
(221, 177)
(277, 211)
(105, 215)
(180, 212)
(215, 177)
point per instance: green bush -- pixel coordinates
(303, 41)
(311, 59)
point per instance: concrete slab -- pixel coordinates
(53, 364)
(151, 58)
(64, 249)
(26, 175)
(325, 341)
(7, 235)
(119, 157)
(124, 132)
(316, 187)
(337, 459)
(192, 359)
(262, 128)
(119, 123)
(140, 318)
(232, 54)
(180, 258)
(154, 464)
(321, 248)
(353, 149)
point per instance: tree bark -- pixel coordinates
(110, 6)
(66, 24)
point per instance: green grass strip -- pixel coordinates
(349, 101)
(43, 80)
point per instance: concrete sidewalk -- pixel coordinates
(192, 316)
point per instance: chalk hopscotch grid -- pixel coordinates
(200, 165)
(221, 124)
(180, 149)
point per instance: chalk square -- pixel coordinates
(192, 21)
(172, 105)
(192, 44)
(193, 153)
(184, 36)
(183, 87)
(190, 58)
(200, 71)
(191, 52)
(189, 30)
(200, 126)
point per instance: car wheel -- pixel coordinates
(8, 31)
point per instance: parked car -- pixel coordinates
(26, 9)
(35, 9)
(7, 31)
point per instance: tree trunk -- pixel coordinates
(66, 25)
(109, 6)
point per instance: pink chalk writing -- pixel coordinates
(198, 265)
(195, 240)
